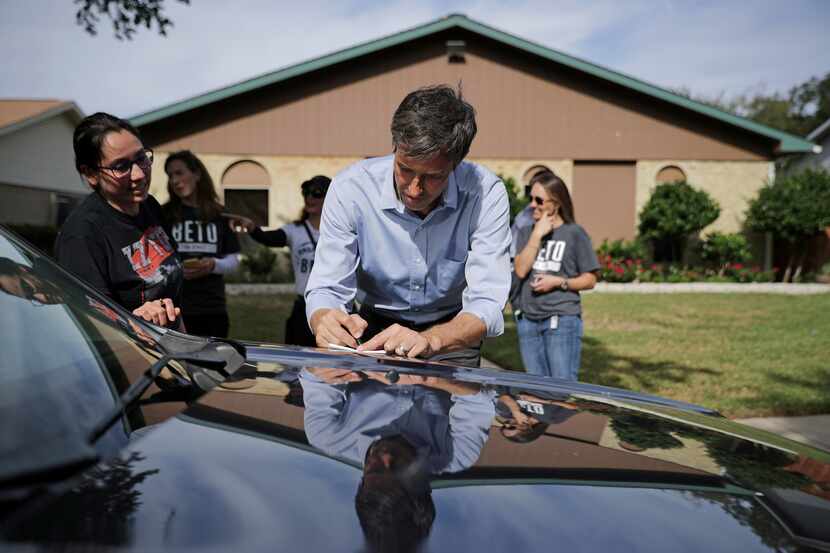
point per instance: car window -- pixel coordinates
(68, 354)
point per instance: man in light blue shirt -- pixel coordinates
(419, 238)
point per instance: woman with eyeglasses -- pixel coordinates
(301, 237)
(207, 247)
(114, 240)
(555, 261)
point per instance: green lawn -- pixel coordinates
(744, 355)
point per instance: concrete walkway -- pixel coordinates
(712, 288)
(813, 430)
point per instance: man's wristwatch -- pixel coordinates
(564, 286)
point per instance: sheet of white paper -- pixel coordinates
(352, 350)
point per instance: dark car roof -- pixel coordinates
(271, 455)
(239, 469)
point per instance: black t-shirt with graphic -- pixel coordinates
(566, 252)
(130, 259)
(197, 238)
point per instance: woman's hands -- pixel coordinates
(544, 225)
(198, 268)
(545, 283)
(159, 312)
(238, 223)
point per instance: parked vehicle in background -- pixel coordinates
(122, 436)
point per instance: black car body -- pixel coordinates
(250, 447)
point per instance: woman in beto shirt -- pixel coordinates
(207, 247)
(301, 237)
(114, 240)
(555, 262)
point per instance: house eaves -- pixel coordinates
(71, 107)
(786, 143)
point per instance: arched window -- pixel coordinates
(245, 185)
(670, 173)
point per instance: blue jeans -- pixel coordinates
(551, 352)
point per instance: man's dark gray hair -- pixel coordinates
(434, 120)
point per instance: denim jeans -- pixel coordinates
(551, 352)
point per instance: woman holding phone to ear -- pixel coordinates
(555, 262)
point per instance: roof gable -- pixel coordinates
(19, 113)
(787, 143)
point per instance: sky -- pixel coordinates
(712, 48)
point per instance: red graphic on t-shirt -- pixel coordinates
(147, 255)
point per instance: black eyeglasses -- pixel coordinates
(538, 200)
(120, 169)
(314, 192)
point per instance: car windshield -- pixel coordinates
(68, 353)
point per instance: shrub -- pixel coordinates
(622, 249)
(673, 213)
(719, 250)
(793, 208)
(619, 270)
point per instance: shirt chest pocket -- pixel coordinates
(450, 275)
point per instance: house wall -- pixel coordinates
(530, 111)
(286, 174)
(731, 183)
(41, 156)
(527, 108)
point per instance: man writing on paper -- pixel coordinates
(420, 238)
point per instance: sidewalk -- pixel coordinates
(813, 430)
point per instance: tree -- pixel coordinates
(126, 15)
(517, 203)
(674, 212)
(794, 208)
(798, 112)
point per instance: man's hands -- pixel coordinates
(159, 312)
(405, 342)
(333, 326)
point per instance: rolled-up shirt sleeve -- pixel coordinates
(487, 269)
(333, 281)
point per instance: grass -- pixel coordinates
(742, 354)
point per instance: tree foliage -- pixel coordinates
(724, 250)
(798, 112)
(674, 212)
(126, 16)
(517, 202)
(794, 208)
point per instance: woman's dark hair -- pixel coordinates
(557, 190)
(207, 201)
(317, 181)
(89, 136)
